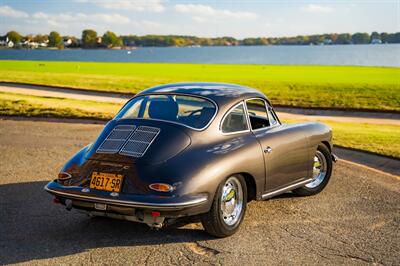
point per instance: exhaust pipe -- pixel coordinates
(68, 204)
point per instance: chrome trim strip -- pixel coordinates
(135, 204)
(290, 187)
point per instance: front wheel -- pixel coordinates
(322, 170)
(228, 208)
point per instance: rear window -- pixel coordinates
(190, 111)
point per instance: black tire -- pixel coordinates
(213, 221)
(309, 191)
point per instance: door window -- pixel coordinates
(257, 113)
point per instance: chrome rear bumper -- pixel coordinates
(134, 201)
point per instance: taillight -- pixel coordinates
(64, 176)
(161, 187)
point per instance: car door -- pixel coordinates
(284, 147)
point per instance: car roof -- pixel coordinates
(221, 93)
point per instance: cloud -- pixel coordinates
(132, 5)
(202, 13)
(312, 8)
(7, 11)
(66, 18)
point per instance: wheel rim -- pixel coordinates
(231, 201)
(319, 170)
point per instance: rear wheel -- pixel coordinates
(322, 170)
(228, 208)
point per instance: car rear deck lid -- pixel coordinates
(129, 140)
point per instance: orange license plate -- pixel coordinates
(106, 181)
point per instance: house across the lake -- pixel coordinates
(376, 41)
(4, 41)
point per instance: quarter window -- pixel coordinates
(235, 120)
(272, 117)
(257, 113)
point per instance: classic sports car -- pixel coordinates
(189, 149)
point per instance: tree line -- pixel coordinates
(91, 39)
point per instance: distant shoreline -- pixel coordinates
(127, 48)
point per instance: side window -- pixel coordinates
(235, 120)
(273, 120)
(258, 113)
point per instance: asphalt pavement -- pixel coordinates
(354, 221)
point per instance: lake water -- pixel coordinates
(361, 55)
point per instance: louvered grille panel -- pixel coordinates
(149, 129)
(140, 141)
(133, 148)
(120, 134)
(142, 136)
(116, 139)
(111, 145)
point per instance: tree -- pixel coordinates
(343, 38)
(40, 38)
(384, 37)
(89, 39)
(360, 38)
(375, 35)
(14, 36)
(110, 39)
(28, 37)
(393, 37)
(55, 39)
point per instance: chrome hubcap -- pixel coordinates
(231, 201)
(319, 170)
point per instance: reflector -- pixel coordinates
(64, 176)
(161, 187)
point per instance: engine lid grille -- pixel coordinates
(139, 141)
(129, 140)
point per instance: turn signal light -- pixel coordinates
(161, 187)
(64, 176)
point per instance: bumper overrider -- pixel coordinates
(150, 209)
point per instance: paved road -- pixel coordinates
(286, 113)
(354, 221)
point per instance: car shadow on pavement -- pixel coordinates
(33, 228)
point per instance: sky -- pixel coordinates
(206, 18)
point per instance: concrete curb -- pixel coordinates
(375, 161)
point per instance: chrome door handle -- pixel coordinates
(268, 149)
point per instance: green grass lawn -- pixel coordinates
(380, 139)
(30, 106)
(375, 88)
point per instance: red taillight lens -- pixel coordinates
(155, 214)
(56, 200)
(64, 176)
(161, 187)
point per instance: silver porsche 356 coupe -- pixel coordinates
(203, 149)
